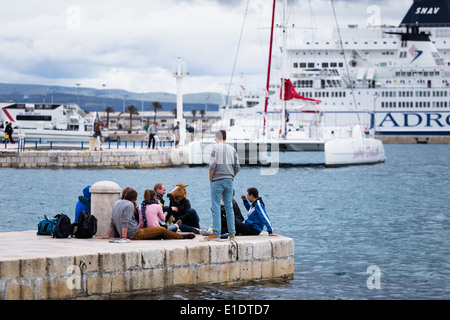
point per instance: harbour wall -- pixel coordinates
(36, 267)
(125, 158)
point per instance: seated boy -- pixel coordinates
(257, 215)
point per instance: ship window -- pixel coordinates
(324, 64)
(295, 65)
(302, 64)
(34, 118)
(333, 64)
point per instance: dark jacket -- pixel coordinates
(237, 213)
(183, 206)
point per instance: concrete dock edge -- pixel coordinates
(34, 267)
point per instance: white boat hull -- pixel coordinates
(345, 152)
(55, 135)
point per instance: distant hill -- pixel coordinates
(91, 99)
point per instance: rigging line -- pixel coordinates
(345, 61)
(237, 52)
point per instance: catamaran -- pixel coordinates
(285, 120)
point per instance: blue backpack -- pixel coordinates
(47, 226)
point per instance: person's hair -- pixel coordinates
(124, 192)
(131, 195)
(158, 186)
(149, 194)
(253, 192)
(221, 135)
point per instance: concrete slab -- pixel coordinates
(41, 267)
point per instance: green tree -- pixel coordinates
(156, 106)
(131, 109)
(108, 110)
(194, 113)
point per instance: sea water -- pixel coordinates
(361, 232)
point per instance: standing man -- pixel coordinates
(152, 130)
(223, 167)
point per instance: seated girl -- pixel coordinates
(151, 212)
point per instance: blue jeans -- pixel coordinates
(222, 189)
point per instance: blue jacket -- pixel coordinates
(257, 215)
(84, 203)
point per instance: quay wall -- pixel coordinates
(36, 267)
(414, 139)
(133, 158)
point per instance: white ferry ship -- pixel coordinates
(394, 80)
(48, 122)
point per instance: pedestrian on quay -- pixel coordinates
(223, 168)
(152, 130)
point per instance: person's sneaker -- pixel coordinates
(211, 237)
(195, 230)
(205, 232)
(232, 237)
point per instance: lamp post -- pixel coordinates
(179, 71)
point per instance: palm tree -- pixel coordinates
(108, 110)
(131, 109)
(202, 114)
(194, 112)
(156, 106)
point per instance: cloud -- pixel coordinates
(132, 44)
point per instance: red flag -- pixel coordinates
(290, 93)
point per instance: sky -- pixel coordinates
(134, 44)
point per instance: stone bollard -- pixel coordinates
(103, 196)
(92, 143)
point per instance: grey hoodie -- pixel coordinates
(224, 162)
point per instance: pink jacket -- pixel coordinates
(154, 213)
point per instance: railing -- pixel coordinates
(82, 145)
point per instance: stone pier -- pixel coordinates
(123, 158)
(41, 267)
(34, 267)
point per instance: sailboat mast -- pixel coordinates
(269, 67)
(283, 70)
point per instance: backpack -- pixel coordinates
(87, 226)
(46, 226)
(63, 226)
